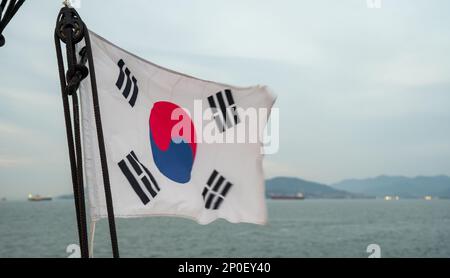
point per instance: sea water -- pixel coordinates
(302, 228)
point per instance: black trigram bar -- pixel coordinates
(215, 191)
(139, 177)
(131, 81)
(224, 109)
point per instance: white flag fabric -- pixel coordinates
(155, 171)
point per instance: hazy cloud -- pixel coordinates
(361, 91)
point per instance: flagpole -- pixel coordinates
(71, 30)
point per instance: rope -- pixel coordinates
(69, 136)
(101, 144)
(78, 152)
(5, 18)
(71, 30)
(75, 154)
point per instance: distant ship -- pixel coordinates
(298, 196)
(391, 198)
(37, 198)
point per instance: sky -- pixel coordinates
(361, 91)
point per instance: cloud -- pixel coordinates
(9, 129)
(274, 168)
(9, 162)
(360, 91)
(26, 97)
(412, 73)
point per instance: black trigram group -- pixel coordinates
(215, 191)
(139, 177)
(131, 83)
(224, 109)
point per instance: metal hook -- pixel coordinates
(67, 3)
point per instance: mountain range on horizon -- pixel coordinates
(404, 187)
(288, 186)
(375, 187)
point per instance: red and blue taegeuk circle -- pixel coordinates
(173, 155)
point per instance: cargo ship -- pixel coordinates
(38, 198)
(298, 196)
